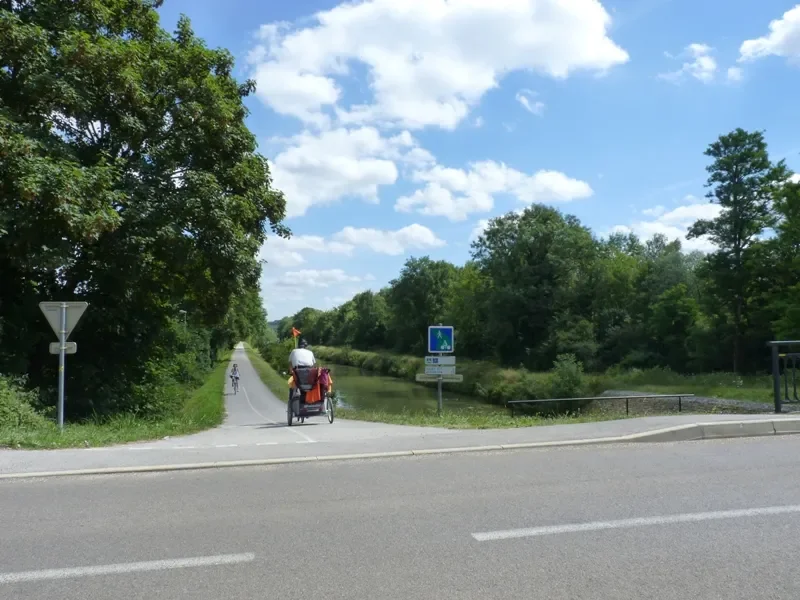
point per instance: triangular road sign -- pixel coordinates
(52, 311)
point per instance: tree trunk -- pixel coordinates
(737, 328)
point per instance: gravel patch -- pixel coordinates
(696, 404)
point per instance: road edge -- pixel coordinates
(678, 433)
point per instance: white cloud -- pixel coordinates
(321, 169)
(456, 193)
(674, 224)
(700, 65)
(656, 211)
(315, 278)
(782, 40)
(288, 253)
(735, 74)
(394, 243)
(429, 61)
(323, 289)
(283, 253)
(526, 99)
(795, 178)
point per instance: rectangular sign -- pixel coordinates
(423, 378)
(69, 348)
(440, 370)
(441, 338)
(440, 360)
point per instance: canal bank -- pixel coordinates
(367, 396)
(359, 389)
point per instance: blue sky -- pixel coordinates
(397, 129)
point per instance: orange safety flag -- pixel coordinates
(295, 332)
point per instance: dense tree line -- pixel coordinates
(539, 284)
(128, 179)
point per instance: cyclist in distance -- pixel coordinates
(235, 377)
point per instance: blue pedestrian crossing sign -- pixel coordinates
(440, 338)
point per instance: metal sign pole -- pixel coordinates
(439, 386)
(63, 317)
(776, 378)
(62, 356)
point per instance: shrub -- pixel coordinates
(567, 380)
(16, 408)
(277, 354)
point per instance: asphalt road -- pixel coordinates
(552, 524)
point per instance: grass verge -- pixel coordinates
(469, 419)
(752, 388)
(204, 408)
(269, 376)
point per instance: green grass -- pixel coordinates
(753, 388)
(204, 408)
(269, 376)
(469, 419)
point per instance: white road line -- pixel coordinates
(267, 444)
(226, 446)
(155, 565)
(253, 408)
(640, 522)
(141, 448)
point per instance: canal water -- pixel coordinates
(367, 391)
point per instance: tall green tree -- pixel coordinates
(371, 320)
(538, 264)
(129, 179)
(417, 299)
(465, 309)
(742, 181)
(783, 265)
(673, 319)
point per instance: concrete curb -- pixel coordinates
(678, 433)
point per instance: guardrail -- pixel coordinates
(512, 403)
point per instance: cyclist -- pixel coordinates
(301, 357)
(235, 376)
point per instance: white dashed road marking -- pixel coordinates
(155, 565)
(489, 536)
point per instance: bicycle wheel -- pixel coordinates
(329, 408)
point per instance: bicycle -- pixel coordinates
(235, 383)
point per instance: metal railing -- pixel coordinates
(777, 375)
(512, 403)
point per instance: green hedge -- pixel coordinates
(481, 379)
